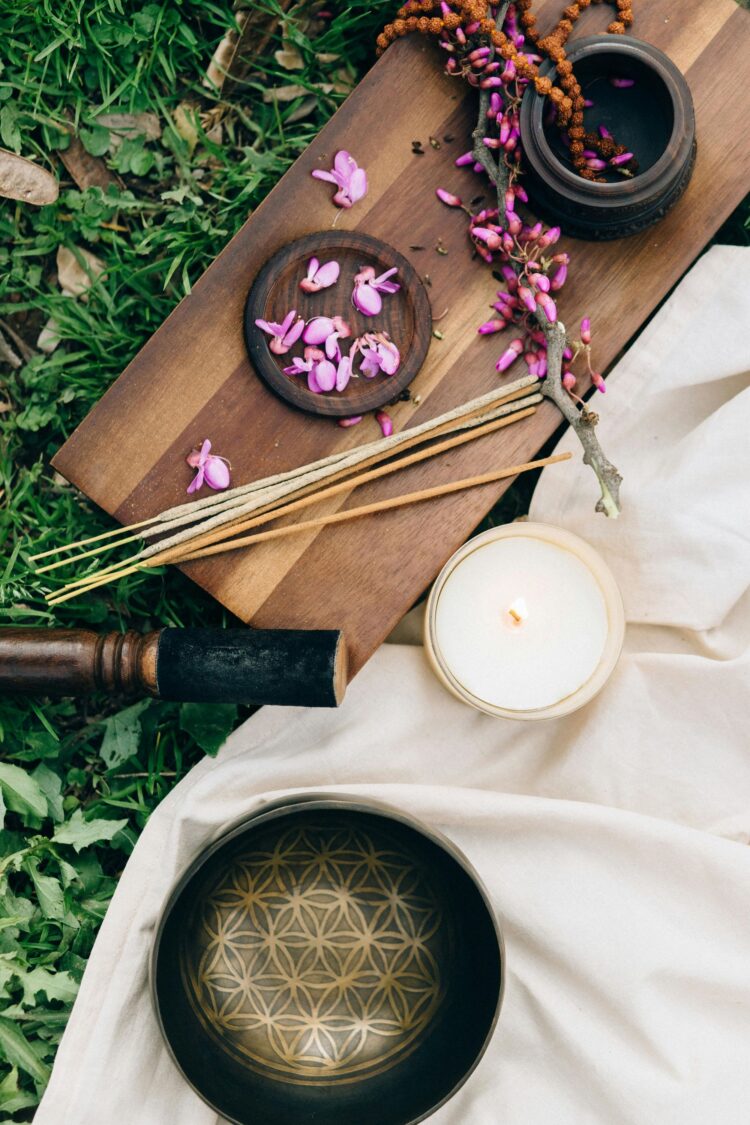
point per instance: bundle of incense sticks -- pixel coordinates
(188, 529)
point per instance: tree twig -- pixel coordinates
(582, 421)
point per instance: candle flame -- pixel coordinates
(518, 610)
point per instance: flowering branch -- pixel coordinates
(582, 421)
(495, 56)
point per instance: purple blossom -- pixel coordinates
(448, 198)
(547, 304)
(497, 324)
(211, 469)
(319, 277)
(385, 422)
(510, 355)
(282, 335)
(318, 330)
(379, 353)
(349, 178)
(366, 295)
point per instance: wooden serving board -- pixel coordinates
(193, 380)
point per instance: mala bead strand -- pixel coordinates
(567, 98)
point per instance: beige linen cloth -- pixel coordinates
(613, 842)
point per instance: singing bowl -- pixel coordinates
(328, 960)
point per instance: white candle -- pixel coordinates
(525, 621)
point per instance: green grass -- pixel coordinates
(80, 778)
(86, 775)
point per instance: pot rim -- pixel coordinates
(676, 150)
(275, 808)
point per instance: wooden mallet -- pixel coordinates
(287, 667)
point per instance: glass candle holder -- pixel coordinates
(525, 622)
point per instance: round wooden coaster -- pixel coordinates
(405, 316)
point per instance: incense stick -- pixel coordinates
(348, 485)
(307, 479)
(321, 521)
(224, 501)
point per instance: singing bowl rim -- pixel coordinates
(275, 809)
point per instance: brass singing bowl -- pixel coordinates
(328, 960)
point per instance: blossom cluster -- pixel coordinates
(524, 254)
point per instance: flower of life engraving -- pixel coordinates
(315, 956)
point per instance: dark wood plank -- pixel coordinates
(193, 380)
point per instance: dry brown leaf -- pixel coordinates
(289, 93)
(86, 170)
(74, 278)
(49, 337)
(23, 179)
(304, 109)
(289, 58)
(8, 354)
(5, 407)
(221, 60)
(25, 350)
(129, 125)
(185, 123)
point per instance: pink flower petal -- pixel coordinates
(378, 281)
(385, 422)
(332, 349)
(344, 164)
(389, 357)
(196, 482)
(318, 330)
(312, 381)
(298, 366)
(216, 473)
(287, 322)
(510, 355)
(447, 197)
(367, 300)
(319, 174)
(370, 365)
(346, 422)
(358, 185)
(343, 373)
(328, 274)
(294, 333)
(325, 375)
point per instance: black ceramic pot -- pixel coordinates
(654, 118)
(330, 961)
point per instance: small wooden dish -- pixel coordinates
(406, 317)
(654, 119)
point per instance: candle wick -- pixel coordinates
(518, 610)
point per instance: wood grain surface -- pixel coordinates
(193, 380)
(405, 317)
